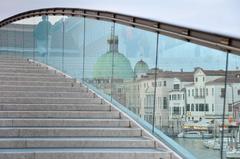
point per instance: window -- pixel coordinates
(213, 107)
(196, 79)
(150, 99)
(193, 92)
(189, 93)
(222, 92)
(164, 83)
(179, 97)
(169, 97)
(176, 110)
(239, 92)
(196, 90)
(119, 90)
(206, 107)
(212, 91)
(192, 107)
(230, 107)
(206, 91)
(174, 97)
(201, 107)
(176, 86)
(203, 79)
(159, 102)
(201, 92)
(197, 107)
(188, 107)
(183, 96)
(164, 102)
(159, 84)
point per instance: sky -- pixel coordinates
(214, 16)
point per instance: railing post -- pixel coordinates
(84, 47)
(63, 42)
(155, 84)
(112, 76)
(224, 106)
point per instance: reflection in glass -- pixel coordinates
(53, 26)
(185, 91)
(73, 46)
(189, 83)
(98, 60)
(41, 34)
(133, 67)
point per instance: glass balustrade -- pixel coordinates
(175, 89)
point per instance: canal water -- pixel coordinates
(196, 147)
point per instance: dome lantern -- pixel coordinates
(141, 68)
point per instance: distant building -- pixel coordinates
(180, 96)
(205, 96)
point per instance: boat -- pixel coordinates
(215, 144)
(192, 134)
(233, 154)
(195, 134)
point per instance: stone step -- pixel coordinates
(77, 142)
(29, 78)
(43, 100)
(27, 70)
(56, 107)
(39, 83)
(7, 74)
(46, 94)
(45, 122)
(61, 114)
(13, 60)
(8, 56)
(42, 88)
(44, 115)
(88, 153)
(69, 132)
(22, 66)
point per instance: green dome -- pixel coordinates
(122, 68)
(141, 67)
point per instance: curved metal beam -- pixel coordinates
(215, 41)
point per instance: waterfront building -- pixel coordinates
(205, 95)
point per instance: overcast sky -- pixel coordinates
(216, 16)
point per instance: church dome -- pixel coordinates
(103, 67)
(141, 67)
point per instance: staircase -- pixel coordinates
(44, 115)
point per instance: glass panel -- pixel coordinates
(10, 38)
(55, 41)
(73, 46)
(188, 92)
(19, 43)
(181, 90)
(1, 40)
(5, 39)
(28, 37)
(41, 36)
(232, 107)
(98, 63)
(134, 58)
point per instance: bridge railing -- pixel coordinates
(149, 76)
